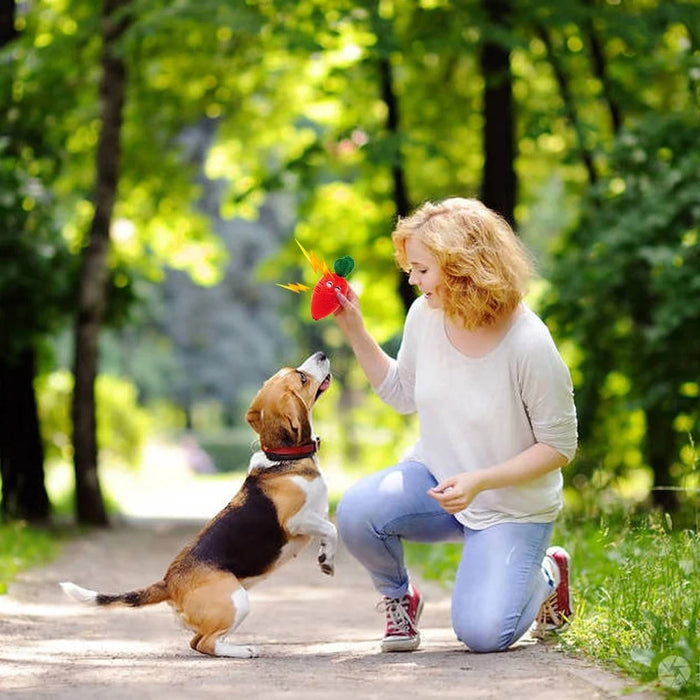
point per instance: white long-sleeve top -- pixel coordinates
(477, 412)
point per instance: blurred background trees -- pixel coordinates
(246, 125)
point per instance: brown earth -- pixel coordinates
(317, 638)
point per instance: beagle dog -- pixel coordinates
(281, 506)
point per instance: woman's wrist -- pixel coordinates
(532, 463)
(481, 480)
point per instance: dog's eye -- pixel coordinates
(303, 377)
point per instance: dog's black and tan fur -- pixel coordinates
(281, 506)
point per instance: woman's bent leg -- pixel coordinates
(385, 507)
(500, 584)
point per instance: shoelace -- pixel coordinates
(548, 617)
(549, 612)
(398, 619)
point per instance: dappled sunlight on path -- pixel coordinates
(318, 637)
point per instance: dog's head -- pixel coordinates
(280, 412)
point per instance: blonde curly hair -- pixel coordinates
(485, 268)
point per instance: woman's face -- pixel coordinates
(424, 272)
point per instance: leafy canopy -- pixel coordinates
(626, 279)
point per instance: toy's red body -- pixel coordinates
(323, 299)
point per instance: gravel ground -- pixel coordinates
(317, 637)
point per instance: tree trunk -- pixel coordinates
(7, 21)
(24, 495)
(692, 77)
(401, 200)
(498, 186)
(90, 507)
(21, 452)
(600, 69)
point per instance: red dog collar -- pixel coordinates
(287, 454)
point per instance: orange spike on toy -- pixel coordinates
(317, 265)
(295, 287)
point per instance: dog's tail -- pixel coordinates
(155, 593)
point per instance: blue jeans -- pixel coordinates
(500, 583)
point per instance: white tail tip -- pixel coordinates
(82, 595)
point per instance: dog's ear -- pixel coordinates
(254, 414)
(289, 421)
(285, 423)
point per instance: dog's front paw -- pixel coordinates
(327, 566)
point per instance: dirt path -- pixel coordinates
(318, 638)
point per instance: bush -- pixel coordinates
(22, 546)
(230, 450)
(625, 292)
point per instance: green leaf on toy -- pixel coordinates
(343, 266)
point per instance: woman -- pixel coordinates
(497, 422)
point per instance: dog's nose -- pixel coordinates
(321, 356)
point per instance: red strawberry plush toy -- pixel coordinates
(323, 298)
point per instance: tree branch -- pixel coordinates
(569, 106)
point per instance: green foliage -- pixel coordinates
(22, 546)
(122, 425)
(625, 282)
(629, 274)
(292, 96)
(53, 118)
(437, 562)
(32, 253)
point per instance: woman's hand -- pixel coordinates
(373, 360)
(457, 492)
(349, 316)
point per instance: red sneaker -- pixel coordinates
(402, 615)
(555, 613)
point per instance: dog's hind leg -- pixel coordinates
(236, 651)
(215, 610)
(215, 645)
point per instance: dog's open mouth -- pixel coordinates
(324, 385)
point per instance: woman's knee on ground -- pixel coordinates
(482, 631)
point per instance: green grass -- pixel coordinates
(23, 546)
(637, 587)
(636, 590)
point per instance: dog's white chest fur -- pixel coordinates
(316, 504)
(308, 517)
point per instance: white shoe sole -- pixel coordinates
(400, 643)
